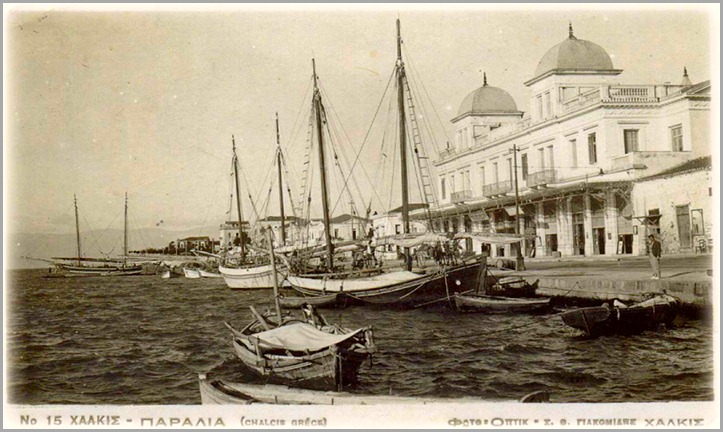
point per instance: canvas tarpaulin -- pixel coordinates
(301, 337)
(418, 240)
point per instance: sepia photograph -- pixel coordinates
(347, 215)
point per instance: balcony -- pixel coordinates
(461, 196)
(541, 178)
(499, 188)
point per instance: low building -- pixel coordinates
(681, 217)
(349, 227)
(229, 232)
(201, 243)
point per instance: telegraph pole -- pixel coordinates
(520, 265)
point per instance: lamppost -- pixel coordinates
(520, 264)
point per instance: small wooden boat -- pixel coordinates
(319, 301)
(307, 352)
(309, 355)
(512, 287)
(191, 273)
(218, 392)
(621, 319)
(495, 304)
(209, 274)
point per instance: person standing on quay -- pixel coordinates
(654, 251)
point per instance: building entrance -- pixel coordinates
(598, 241)
(578, 244)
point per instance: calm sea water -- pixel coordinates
(142, 340)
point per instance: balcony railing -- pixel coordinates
(460, 196)
(541, 178)
(499, 188)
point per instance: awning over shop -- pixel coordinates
(649, 220)
(494, 238)
(512, 211)
(479, 216)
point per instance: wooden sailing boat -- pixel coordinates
(85, 266)
(308, 352)
(244, 271)
(396, 288)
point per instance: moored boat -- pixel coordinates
(496, 304)
(621, 319)
(209, 274)
(319, 301)
(248, 277)
(219, 392)
(191, 273)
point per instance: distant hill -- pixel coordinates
(94, 243)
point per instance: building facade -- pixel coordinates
(574, 161)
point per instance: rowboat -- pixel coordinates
(512, 287)
(219, 392)
(191, 273)
(495, 304)
(208, 274)
(621, 319)
(319, 301)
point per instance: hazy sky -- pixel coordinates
(102, 102)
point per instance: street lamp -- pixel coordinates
(520, 264)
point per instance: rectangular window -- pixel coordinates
(452, 189)
(540, 114)
(496, 171)
(482, 179)
(443, 187)
(592, 148)
(397, 229)
(551, 157)
(524, 166)
(510, 169)
(573, 152)
(548, 105)
(676, 138)
(630, 138)
(541, 152)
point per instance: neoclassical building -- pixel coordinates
(578, 154)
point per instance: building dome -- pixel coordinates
(488, 100)
(575, 54)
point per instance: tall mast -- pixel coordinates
(281, 186)
(403, 144)
(322, 168)
(125, 231)
(238, 198)
(77, 226)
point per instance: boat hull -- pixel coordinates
(208, 274)
(603, 320)
(492, 304)
(259, 277)
(191, 273)
(100, 271)
(218, 392)
(404, 292)
(325, 369)
(319, 301)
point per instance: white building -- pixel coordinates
(579, 154)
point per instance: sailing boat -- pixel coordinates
(400, 289)
(85, 266)
(245, 271)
